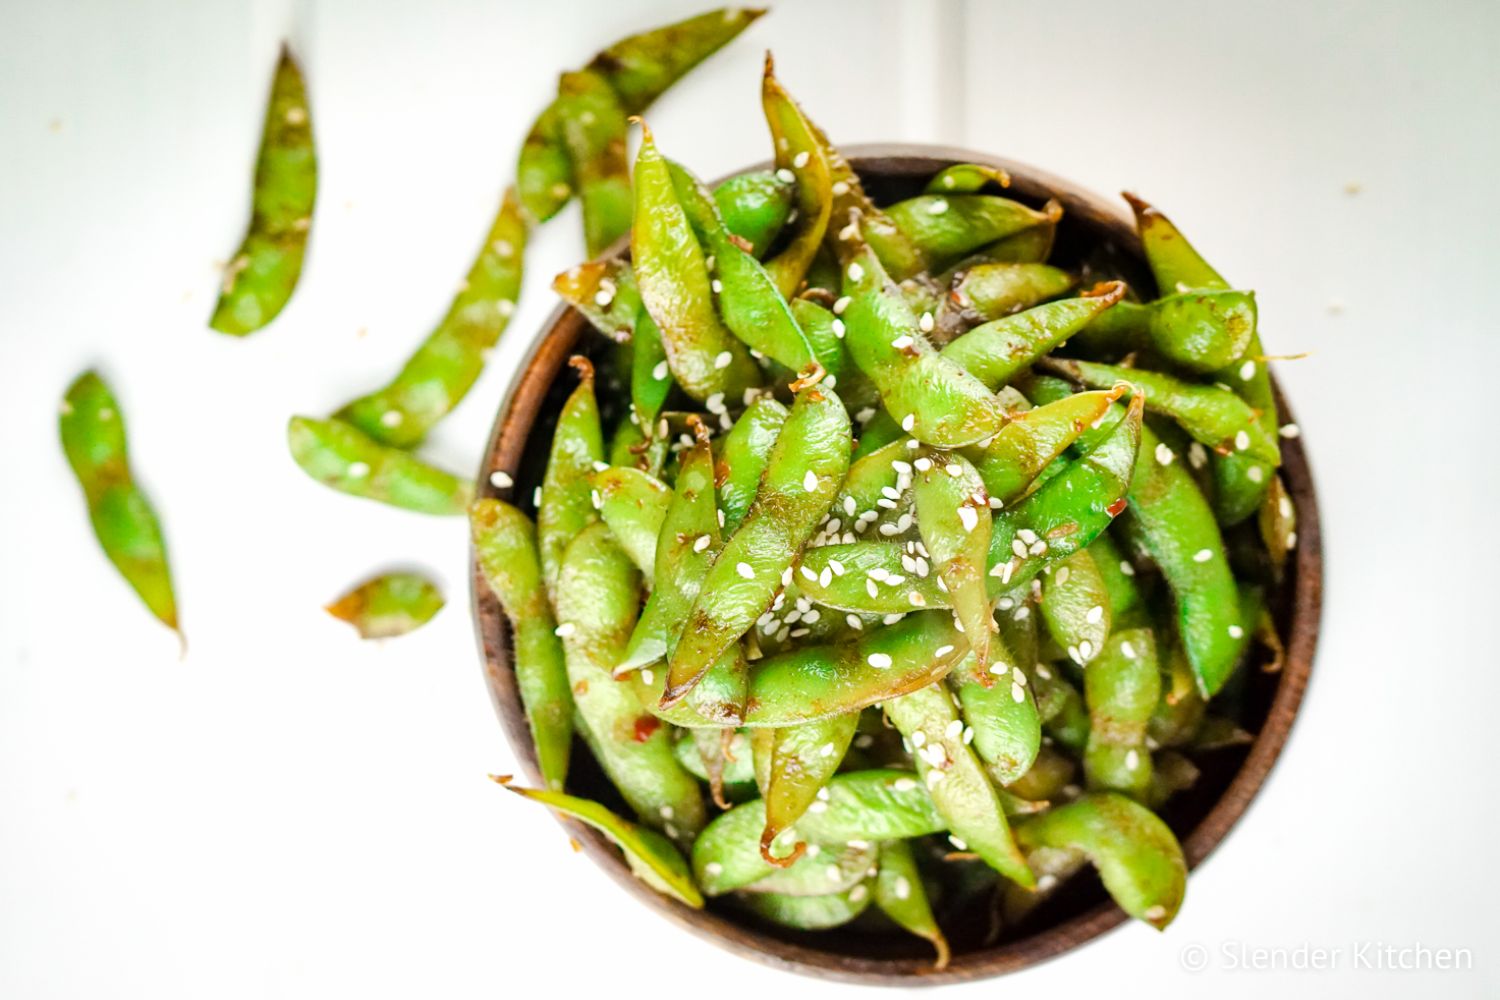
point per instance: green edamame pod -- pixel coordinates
(652, 857)
(755, 207)
(743, 455)
(945, 228)
(802, 159)
(340, 456)
(438, 376)
(1126, 603)
(1278, 523)
(1001, 349)
(1048, 776)
(567, 504)
(820, 871)
(592, 124)
(596, 599)
(1061, 708)
(1032, 440)
(1122, 688)
(900, 894)
(802, 475)
(1175, 523)
(1138, 858)
(634, 505)
(801, 760)
(933, 399)
(1202, 331)
(960, 788)
(263, 273)
(966, 178)
(544, 172)
(1007, 731)
(953, 517)
(749, 302)
(988, 292)
(505, 546)
(388, 605)
(672, 274)
(1075, 605)
(92, 429)
(604, 291)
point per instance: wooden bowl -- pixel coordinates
(1202, 817)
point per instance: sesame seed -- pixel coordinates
(918, 739)
(892, 619)
(1236, 632)
(855, 622)
(744, 570)
(838, 328)
(1291, 539)
(856, 272)
(603, 298)
(721, 518)
(1291, 431)
(358, 470)
(1247, 371)
(601, 466)
(1197, 455)
(1164, 455)
(840, 188)
(1202, 556)
(713, 869)
(1132, 760)
(1127, 568)
(800, 160)
(880, 661)
(702, 543)
(1017, 693)
(871, 589)
(902, 342)
(723, 360)
(715, 403)
(937, 206)
(1018, 547)
(837, 567)
(954, 729)
(1022, 613)
(536, 497)
(925, 324)
(903, 784)
(564, 630)
(505, 307)
(1095, 615)
(901, 888)
(1242, 440)
(908, 422)
(1128, 649)
(970, 518)
(826, 750)
(717, 286)
(500, 479)
(810, 480)
(597, 499)
(1255, 474)
(916, 600)
(786, 175)
(1085, 649)
(392, 418)
(849, 232)
(826, 577)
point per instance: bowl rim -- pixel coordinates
(547, 356)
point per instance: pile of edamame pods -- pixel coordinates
(881, 562)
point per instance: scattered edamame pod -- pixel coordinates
(93, 439)
(260, 277)
(389, 605)
(341, 456)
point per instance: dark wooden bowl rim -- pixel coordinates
(517, 414)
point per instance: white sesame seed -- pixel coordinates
(880, 661)
(800, 160)
(1291, 431)
(786, 175)
(1155, 912)
(871, 589)
(1247, 371)
(810, 480)
(903, 784)
(536, 497)
(840, 188)
(564, 630)
(723, 360)
(1236, 632)
(901, 887)
(925, 324)
(826, 577)
(954, 729)
(1164, 455)
(702, 543)
(1291, 539)
(713, 869)
(826, 750)
(603, 298)
(1022, 613)
(500, 479)
(1197, 455)
(1095, 615)
(937, 206)
(908, 422)
(1202, 556)
(1242, 440)
(359, 470)
(717, 286)
(1127, 568)
(892, 619)
(744, 570)
(849, 232)
(970, 518)
(918, 739)
(838, 328)
(856, 272)
(505, 307)
(808, 574)
(1132, 760)
(902, 342)
(837, 567)
(1018, 547)
(601, 466)
(392, 418)
(1255, 474)
(1128, 649)
(1017, 693)
(855, 622)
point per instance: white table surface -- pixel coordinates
(288, 812)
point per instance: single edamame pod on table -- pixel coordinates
(389, 605)
(505, 547)
(263, 272)
(92, 429)
(342, 457)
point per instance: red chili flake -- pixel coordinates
(645, 726)
(1114, 509)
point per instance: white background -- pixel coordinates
(288, 812)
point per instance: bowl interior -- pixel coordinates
(1094, 237)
